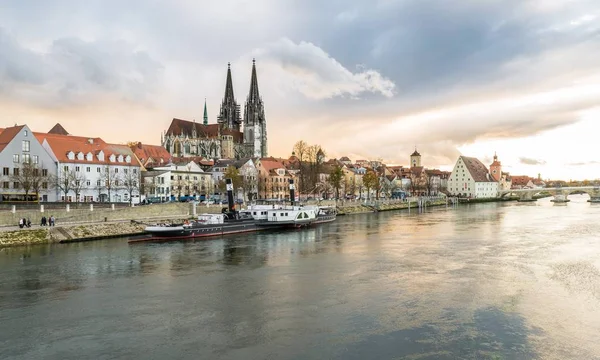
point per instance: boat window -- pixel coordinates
(286, 214)
(281, 214)
(255, 213)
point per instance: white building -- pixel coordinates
(18, 145)
(176, 180)
(91, 170)
(247, 170)
(470, 178)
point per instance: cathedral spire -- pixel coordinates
(255, 127)
(253, 96)
(229, 85)
(205, 113)
(229, 115)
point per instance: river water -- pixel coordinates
(498, 281)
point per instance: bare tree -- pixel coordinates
(78, 184)
(131, 182)
(63, 181)
(300, 150)
(30, 178)
(110, 180)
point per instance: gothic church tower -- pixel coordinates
(255, 125)
(229, 116)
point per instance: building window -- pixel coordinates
(16, 158)
(6, 185)
(16, 171)
(25, 145)
(116, 170)
(87, 169)
(88, 183)
(36, 159)
(44, 172)
(16, 185)
(44, 185)
(97, 169)
(77, 168)
(66, 168)
(5, 171)
(135, 171)
(125, 171)
(98, 183)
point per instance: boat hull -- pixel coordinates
(162, 234)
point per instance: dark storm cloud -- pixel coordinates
(529, 161)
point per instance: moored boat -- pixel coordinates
(253, 218)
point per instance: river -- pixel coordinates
(483, 281)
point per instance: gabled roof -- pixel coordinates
(62, 145)
(478, 171)
(151, 154)
(180, 127)
(271, 163)
(416, 170)
(8, 135)
(58, 129)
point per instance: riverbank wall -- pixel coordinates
(84, 225)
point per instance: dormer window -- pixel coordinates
(128, 159)
(112, 158)
(101, 155)
(89, 156)
(120, 158)
(71, 155)
(80, 156)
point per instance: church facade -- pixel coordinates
(229, 137)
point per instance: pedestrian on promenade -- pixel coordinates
(21, 223)
(28, 222)
(52, 220)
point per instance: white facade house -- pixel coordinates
(19, 146)
(91, 170)
(247, 170)
(174, 181)
(471, 178)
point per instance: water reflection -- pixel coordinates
(479, 281)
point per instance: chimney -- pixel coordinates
(90, 140)
(139, 145)
(292, 192)
(230, 203)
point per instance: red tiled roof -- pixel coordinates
(478, 171)
(520, 180)
(61, 145)
(151, 154)
(271, 163)
(8, 134)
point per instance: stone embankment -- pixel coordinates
(348, 208)
(92, 224)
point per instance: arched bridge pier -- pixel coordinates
(559, 194)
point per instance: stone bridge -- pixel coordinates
(560, 194)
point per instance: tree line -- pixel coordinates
(35, 179)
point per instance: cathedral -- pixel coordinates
(229, 138)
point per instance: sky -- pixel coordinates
(365, 79)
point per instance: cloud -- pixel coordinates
(71, 71)
(308, 69)
(584, 163)
(528, 161)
